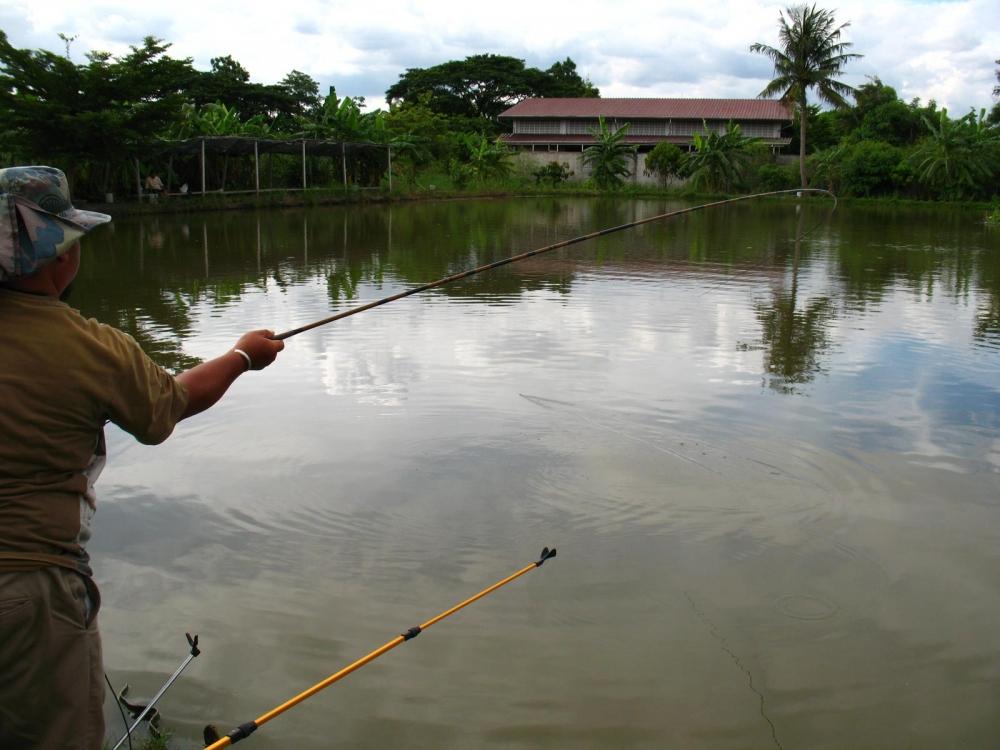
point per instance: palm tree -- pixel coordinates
(608, 157)
(810, 56)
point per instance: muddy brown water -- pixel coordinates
(770, 465)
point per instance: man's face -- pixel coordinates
(67, 271)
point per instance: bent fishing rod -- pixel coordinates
(538, 251)
(245, 730)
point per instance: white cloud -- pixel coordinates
(944, 51)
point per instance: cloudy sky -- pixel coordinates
(941, 50)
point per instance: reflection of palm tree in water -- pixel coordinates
(792, 339)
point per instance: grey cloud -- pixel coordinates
(745, 64)
(306, 26)
(20, 35)
(91, 36)
(964, 42)
(124, 27)
(402, 50)
(379, 39)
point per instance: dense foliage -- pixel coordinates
(481, 87)
(886, 147)
(97, 121)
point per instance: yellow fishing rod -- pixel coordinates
(245, 730)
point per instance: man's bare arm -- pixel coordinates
(206, 383)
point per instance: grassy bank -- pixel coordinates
(443, 189)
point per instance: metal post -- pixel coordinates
(195, 651)
(343, 161)
(138, 180)
(388, 150)
(303, 163)
(256, 167)
(202, 166)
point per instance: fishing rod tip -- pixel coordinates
(546, 554)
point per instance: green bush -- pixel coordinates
(770, 177)
(870, 168)
(665, 161)
(552, 173)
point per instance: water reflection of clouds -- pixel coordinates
(373, 377)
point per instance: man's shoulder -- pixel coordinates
(71, 324)
(104, 333)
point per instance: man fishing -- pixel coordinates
(62, 377)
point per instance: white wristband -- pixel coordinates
(246, 357)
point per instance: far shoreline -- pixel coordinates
(217, 201)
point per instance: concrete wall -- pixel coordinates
(528, 161)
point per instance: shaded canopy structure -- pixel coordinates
(359, 164)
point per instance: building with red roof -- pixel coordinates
(555, 129)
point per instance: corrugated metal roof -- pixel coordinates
(679, 109)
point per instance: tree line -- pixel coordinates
(97, 118)
(94, 119)
(877, 146)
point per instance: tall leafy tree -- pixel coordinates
(480, 87)
(302, 90)
(880, 115)
(995, 113)
(228, 83)
(562, 80)
(810, 55)
(80, 116)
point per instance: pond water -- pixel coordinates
(764, 439)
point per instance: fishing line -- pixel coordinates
(120, 710)
(538, 251)
(148, 711)
(724, 645)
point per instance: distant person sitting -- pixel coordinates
(154, 185)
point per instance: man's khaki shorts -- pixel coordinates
(51, 676)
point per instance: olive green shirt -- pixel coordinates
(62, 377)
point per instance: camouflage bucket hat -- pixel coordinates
(37, 221)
